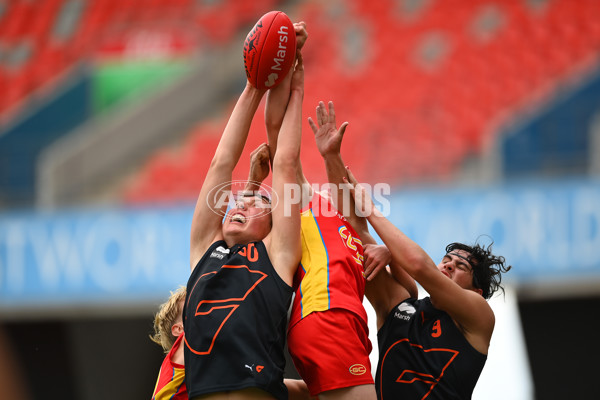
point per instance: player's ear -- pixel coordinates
(177, 329)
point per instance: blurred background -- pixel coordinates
(482, 115)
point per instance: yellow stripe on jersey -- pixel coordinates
(171, 387)
(314, 287)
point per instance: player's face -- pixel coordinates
(456, 266)
(249, 220)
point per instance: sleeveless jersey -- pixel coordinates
(235, 318)
(170, 383)
(331, 271)
(423, 355)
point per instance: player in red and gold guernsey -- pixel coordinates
(327, 334)
(331, 271)
(170, 384)
(168, 333)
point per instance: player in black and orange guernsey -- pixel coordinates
(168, 333)
(435, 347)
(328, 333)
(235, 314)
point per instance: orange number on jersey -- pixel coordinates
(214, 312)
(250, 252)
(437, 329)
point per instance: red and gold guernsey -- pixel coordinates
(170, 384)
(331, 271)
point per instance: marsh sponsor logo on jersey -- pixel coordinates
(219, 252)
(404, 311)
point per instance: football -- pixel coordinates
(269, 50)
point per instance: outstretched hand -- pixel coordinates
(327, 136)
(259, 164)
(298, 70)
(301, 34)
(377, 257)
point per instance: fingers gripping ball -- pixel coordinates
(269, 50)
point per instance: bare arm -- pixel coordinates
(378, 257)
(297, 389)
(279, 96)
(469, 309)
(328, 138)
(206, 223)
(276, 106)
(387, 287)
(382, 290)
(283, 243)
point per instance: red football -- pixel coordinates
(269, 50)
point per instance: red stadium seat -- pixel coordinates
(410, 120)
(36, 23)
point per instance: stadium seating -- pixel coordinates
(422, 83)
(42, 39)
(422, 87)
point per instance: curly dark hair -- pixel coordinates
(486, 267)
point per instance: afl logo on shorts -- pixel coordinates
(357, 369)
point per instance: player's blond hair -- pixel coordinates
(167, 314)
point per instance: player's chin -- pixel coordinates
(233, 228)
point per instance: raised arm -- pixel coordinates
(328, 138)
(283, 243)
(387, 284)
(276, 106)
(211, 204)
(468, 308)
(382, 290)
(279, 96)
